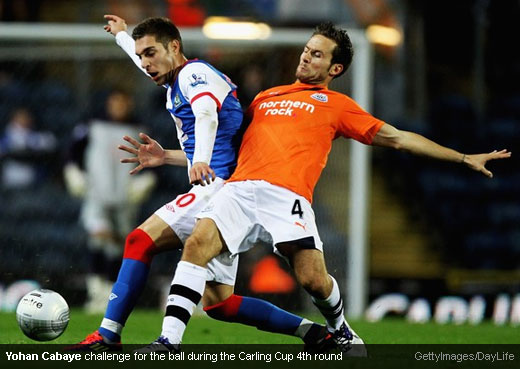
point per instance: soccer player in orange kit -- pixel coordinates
(268, 198)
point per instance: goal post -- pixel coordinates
(359, 188)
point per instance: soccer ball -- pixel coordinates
(42, 315)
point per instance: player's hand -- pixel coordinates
(147, 154)
(201, 173)
(478, 162)
(115, 24)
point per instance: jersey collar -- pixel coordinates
(175, 72)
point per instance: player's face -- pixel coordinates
(155, 58)
(315, 61)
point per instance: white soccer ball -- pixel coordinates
(42, 315)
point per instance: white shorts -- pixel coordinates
(180, 215)
(251, 212)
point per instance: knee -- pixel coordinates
(196, 250)
(139, 246)
(194, 242)
(203, 245)
(193, 245)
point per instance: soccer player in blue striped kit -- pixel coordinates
(208, 118)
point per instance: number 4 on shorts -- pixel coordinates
(297, 209)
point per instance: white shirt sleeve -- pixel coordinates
(127, 43)
(206, 124)
(197, 80)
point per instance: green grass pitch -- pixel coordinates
(144, 326)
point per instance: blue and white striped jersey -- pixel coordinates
(196, 79)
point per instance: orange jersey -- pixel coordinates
(290, 136)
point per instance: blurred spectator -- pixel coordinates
(135, 10)
(23, 151)
(252, 82)
(20, 10)
(111, 196)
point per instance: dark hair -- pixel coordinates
(343, 52)
(162, 28)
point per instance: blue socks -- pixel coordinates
(125, 292)
(257, 313)
(267, 317)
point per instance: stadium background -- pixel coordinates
(435, 229)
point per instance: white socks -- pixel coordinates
(185, 293)
(331, 307)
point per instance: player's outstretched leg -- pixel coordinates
(343, 335)
(236, 309)
(311, 272)
(139, 249)
(267, 317)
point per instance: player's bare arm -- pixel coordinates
(115, 24)
(389, 136)
(150, 154)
